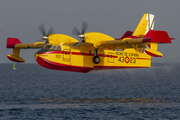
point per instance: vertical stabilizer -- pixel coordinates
(146, 23)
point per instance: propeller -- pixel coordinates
(43, 31)
(81, 35)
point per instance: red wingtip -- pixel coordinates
(11, 42)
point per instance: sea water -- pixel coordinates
(32, 92)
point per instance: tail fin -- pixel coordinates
(146, 23)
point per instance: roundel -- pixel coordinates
(127, 59)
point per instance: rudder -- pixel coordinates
(146, 23)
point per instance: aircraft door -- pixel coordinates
(110, 57)
(66, 55)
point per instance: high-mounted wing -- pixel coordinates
(127, 43)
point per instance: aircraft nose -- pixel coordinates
(36, 55)
(40, 52)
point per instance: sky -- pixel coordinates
(21, 19)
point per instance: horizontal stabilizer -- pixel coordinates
(15, 58)
(11, 42)
(158, 36)
(153, 53)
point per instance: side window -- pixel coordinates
(58, 48)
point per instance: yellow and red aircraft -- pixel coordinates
(96, 51)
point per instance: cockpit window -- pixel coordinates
(53, 47)
(48, 47)
(58, 48)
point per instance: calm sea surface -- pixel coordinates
(35, 93)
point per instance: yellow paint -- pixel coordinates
(60, 39)
(96, 38)
(16, 52)
(154, 52)
(140, 30)
(136, 59)
(37, 43)
(154, 46)
(84, 57)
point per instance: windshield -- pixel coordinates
(48, 47)
(52, 47)
(58, 48)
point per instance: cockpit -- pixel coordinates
(52, 47)
(47, 48)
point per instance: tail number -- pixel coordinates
(127, 59)
(132, 60)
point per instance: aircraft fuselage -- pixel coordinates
(66, 58)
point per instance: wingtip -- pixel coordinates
(11, 42)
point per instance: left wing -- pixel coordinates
(17, 45)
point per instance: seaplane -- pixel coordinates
(94, 50)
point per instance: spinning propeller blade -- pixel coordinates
(51, 31)
(75, 31)
(84, 27)
(43, 31)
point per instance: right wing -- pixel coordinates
(151, 37)
(127, 43)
